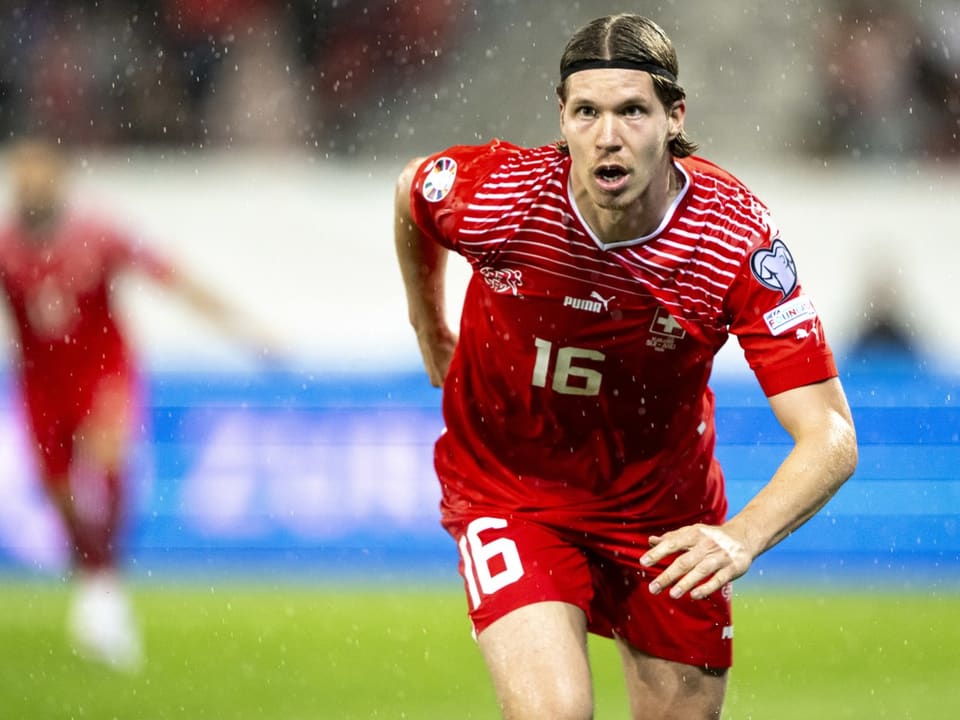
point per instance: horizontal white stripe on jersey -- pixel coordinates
(623, 287)
(705, 249)
(521, 215)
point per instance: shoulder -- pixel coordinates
(727, 203)
(495, 151)
(453, 179)
(478, 185)
(476, 163)
(94, 237)
(88, 224)
(721, 186)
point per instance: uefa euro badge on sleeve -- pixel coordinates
(774, 268)
(439, 180)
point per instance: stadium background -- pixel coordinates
(302, 487)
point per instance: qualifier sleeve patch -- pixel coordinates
(774, 268)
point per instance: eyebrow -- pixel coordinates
(632, 99)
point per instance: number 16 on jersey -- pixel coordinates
(568, 377)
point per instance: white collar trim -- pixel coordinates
(667, 216)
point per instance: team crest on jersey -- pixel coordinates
(502, 280)
(774, 268)
(439, 180)
(664, 331)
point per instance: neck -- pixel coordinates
(39, 224)
(640, 217)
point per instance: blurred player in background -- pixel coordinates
(577, 466)
(58, 271)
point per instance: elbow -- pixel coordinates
(847, 452)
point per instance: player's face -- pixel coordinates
(38, 184)
(618, 134)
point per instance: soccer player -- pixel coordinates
(58, 270)
(577, 466)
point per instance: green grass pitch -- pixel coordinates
(284, 650)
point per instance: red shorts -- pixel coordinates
(509, 563)
(56, 415)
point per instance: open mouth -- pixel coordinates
(610, 177)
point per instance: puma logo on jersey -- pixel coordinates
(598, 304)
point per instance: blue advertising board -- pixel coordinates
(314, 473)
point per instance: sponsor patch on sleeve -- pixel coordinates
(790, 314)
(439, 179)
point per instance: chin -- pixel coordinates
(618, 204)
(619, 200)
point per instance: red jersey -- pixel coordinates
(578, 388)
(59, 291)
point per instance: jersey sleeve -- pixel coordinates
(776, 323)
(445, 184)
(123, 252)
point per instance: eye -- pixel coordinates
(633, 111)
(585, 111)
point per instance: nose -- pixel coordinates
(608, 132)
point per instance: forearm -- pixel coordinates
(227, 320)
(206, 303)
(824, 455)
(819, 463)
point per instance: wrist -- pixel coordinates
(748, 534)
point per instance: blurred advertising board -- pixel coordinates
(297, 471)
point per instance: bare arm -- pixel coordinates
(423, 265)
(225, 318)
(823, 457)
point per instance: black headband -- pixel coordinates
(650, 67)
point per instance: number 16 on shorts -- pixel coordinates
(491, 566)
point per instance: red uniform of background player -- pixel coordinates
(578, 458)
(58, 271)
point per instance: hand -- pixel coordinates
(709, 558)
(436, 348)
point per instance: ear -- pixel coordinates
(562, 107)
(675, 116)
